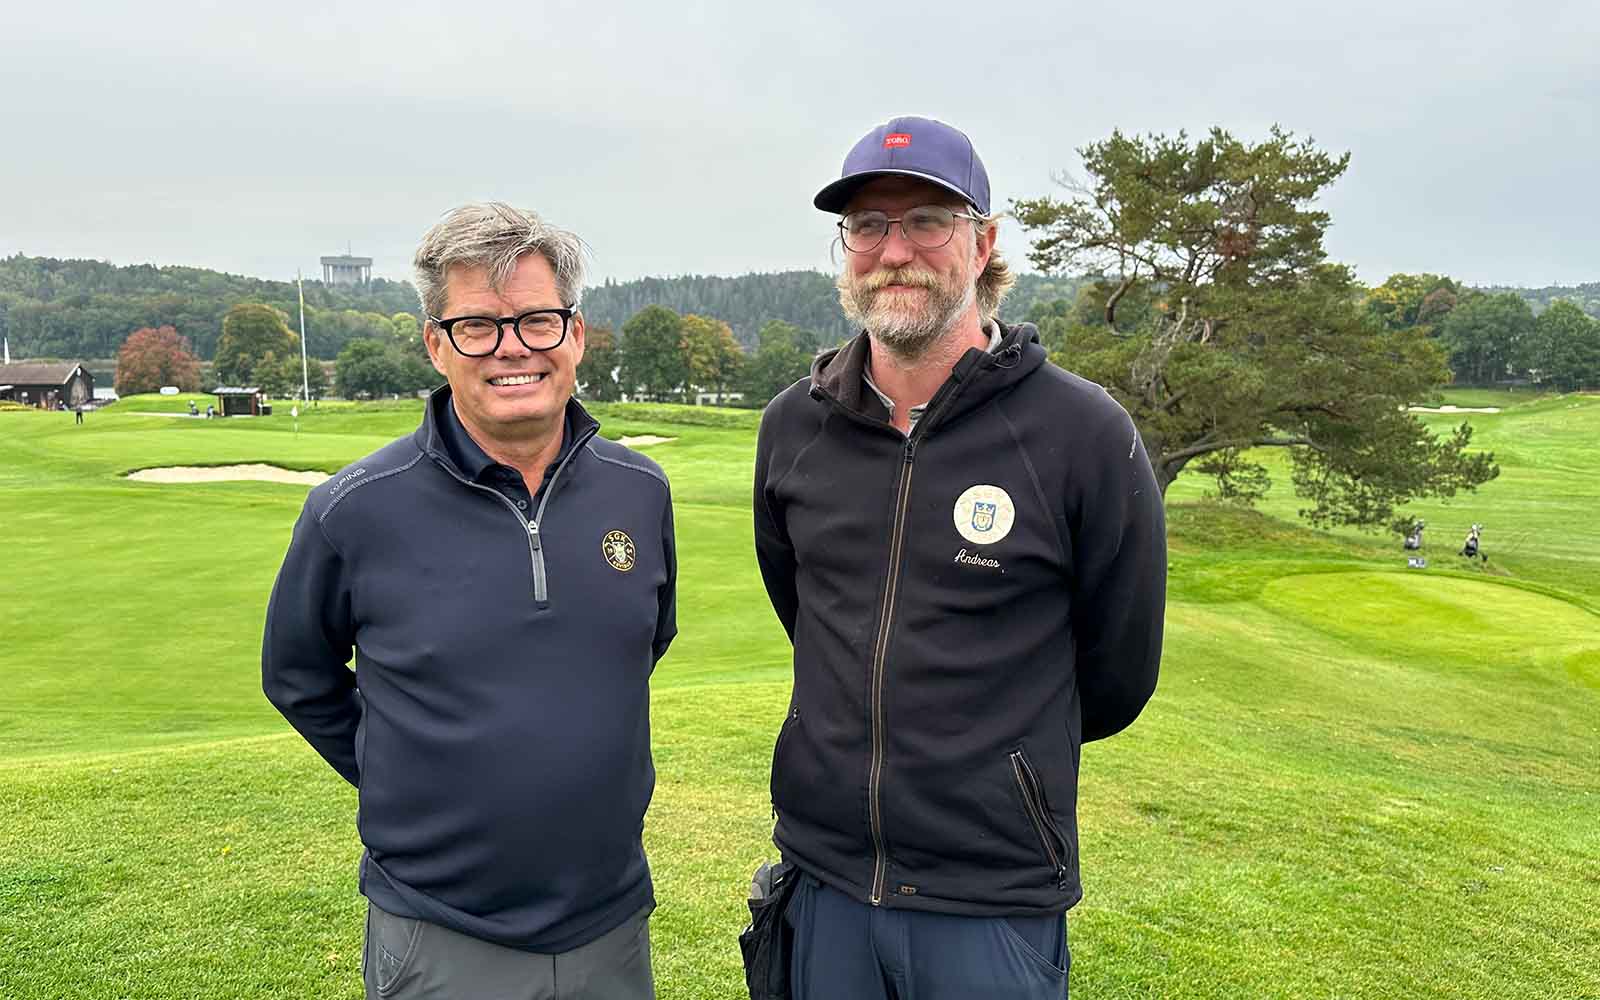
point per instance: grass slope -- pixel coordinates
(1355, 781)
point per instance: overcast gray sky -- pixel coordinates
(689, 137)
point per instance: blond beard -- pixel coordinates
(907, 331)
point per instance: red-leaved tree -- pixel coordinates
(151, 358)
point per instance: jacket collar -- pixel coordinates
(434, 435)
(837, 376)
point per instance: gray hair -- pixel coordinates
(493, 236)
(996, 279)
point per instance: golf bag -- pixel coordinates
(1414, 537)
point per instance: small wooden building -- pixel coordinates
(237, 401)
(47, 384)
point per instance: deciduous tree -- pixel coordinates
(1485, 335)
(153, 357)
(597, 378)
(366, 368)
(316, 379)
(711, 354)
(1563, 350)
(1402, 301)
(407, 330)
(251, 330)
(374, 368)
(274, 376)
(653, 365)
(782, 357)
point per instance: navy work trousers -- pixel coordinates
(848, 950)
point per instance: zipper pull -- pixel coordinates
(533, 533)
(911, 448)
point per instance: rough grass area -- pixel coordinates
(1355, 781)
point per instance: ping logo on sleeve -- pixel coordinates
(984, 514)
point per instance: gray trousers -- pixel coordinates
(405, 959)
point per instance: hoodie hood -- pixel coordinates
(978, 376)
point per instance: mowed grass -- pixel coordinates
(1355, 781)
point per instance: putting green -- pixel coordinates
(1438, 620)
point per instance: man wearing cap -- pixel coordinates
(967, 548)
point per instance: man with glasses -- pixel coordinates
(967, 548)
(505, 580)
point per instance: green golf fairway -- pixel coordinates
(1356, 780)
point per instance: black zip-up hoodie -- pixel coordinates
(968, 605)
(497, 722)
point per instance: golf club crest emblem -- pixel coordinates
(618, 550)
(984, 514)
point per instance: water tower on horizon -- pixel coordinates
(346, 270)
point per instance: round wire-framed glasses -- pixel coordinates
(928, 226)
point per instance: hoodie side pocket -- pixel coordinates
(1054, 845)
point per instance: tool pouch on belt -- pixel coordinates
(768, 942)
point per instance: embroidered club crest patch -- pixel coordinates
(618, 550)
(984, 514)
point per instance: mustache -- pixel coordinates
(908, 276)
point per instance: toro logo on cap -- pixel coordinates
(942, 156)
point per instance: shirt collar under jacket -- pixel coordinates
(473, 462)
(989, 326)
(977, 378)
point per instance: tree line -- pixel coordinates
(257, 349)
(75, 309)
(1495, 337)
(660, 355)
(1210, 311)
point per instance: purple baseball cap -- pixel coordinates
(911, 147)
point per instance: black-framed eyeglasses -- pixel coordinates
(479, 336)
(928, 226)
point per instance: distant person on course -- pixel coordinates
(506, 581)
(967, 548)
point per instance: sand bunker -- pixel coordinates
(226, 473)
(1447, 408)
(273, 474)
(642, 439)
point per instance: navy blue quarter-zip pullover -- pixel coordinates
(496, 722)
